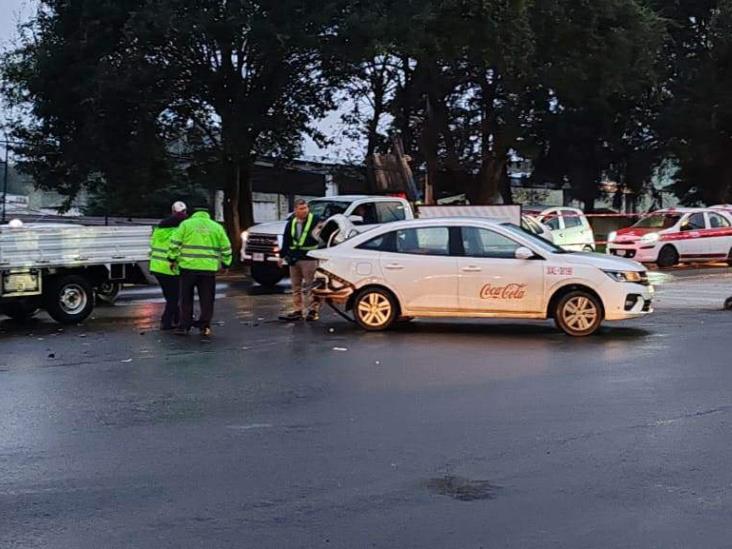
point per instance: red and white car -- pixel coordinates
(677, 235)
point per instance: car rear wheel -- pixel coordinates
(375, 309)
(578, 314)
(588, 249)
(668, 257)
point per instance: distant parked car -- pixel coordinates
(676, 235)
(569, 227)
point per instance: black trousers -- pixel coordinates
(171, 292)
(205, 283)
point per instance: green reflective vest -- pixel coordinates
(299, 243)
(200, 244)
(159, 244)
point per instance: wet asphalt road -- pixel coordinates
(459, 435)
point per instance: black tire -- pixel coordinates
(20, 311)
(578, 314)
(729, 258)
(108, 292)
(375, 309)
(667, 257)
(69, 299)
(728, 304)
(588, 249)
(267, 275)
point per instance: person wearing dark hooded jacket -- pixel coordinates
(168, 274)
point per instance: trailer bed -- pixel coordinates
(65, 246)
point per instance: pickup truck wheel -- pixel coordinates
(70, 299)
(267, 275)
(108, 292)
(578, 314)
(374, 309)
(20, 311)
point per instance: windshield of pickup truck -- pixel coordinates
(328, 208)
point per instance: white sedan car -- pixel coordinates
(468, 267)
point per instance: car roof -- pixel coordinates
(354, 197)
(444, 221)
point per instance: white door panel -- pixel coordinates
(501, 285)
(426, 283)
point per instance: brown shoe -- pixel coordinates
(206, 332)
(313, 316)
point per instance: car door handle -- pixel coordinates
(394, 266)
(471, 269)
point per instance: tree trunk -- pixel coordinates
(232, 191)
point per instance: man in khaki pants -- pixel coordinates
(297, 241)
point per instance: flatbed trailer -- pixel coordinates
(62, 267)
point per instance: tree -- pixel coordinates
(253, 76)
(696, 123)
(86, 120)
(600, 78)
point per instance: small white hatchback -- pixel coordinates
(468, 267)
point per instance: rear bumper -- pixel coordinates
(331, 289)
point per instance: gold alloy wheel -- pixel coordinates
(374, 310)
(580, 313)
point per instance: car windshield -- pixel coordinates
(328, 208)
(537, 241)
(658, 221)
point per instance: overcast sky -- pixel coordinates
(11, 12)
(14, 11)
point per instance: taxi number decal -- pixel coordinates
(560, 271)
(510, 291)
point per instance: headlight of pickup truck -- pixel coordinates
(625, 276)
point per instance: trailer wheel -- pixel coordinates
(69, 299)
(108, 292)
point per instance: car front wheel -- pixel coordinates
(578, 314)
(667, 257)
(374, 309)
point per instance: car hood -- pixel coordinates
(604, 262)
(272, 228)
(631, 234)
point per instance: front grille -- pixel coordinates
(261, 244)
(647, 305)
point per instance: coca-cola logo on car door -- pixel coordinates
(509, 292)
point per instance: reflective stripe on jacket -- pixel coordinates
(200, 244)
(159, 244)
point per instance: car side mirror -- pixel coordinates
(356, 219)
(524, 253)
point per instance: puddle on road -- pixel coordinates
(462, 489)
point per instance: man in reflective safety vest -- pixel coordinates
(168, 276)
(199, 248)
(297, 241)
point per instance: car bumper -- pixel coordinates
(330, 288)
(626, 301)
(262, 259)
(642, 254)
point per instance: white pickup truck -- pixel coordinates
(261, 243)
(60, 267)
